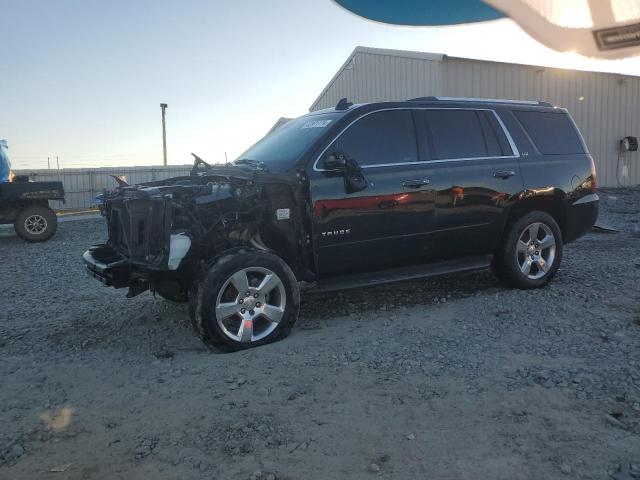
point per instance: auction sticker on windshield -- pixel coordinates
(316, 124)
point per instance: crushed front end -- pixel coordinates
(161, 232)
(139, 222)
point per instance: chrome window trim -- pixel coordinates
(421, 162)
(514, 149)
(512, 144)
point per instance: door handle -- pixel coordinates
(416, 183)
(504, 174)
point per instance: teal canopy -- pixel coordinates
(422, 12)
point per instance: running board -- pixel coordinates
(380, 277)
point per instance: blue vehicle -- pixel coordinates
(5, 163)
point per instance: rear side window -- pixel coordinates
(498, 131)
(455, 134)
(552, 133)
(381, 138)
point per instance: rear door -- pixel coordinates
(385, 224)
(476, 155)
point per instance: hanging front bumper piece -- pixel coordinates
(140, 242)
(107, 266)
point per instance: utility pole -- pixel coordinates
(163, 106)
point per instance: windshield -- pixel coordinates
(288, 141)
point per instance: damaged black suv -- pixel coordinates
(355, 195)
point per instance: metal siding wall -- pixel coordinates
(373, 77)
(82, 185)
(610, 109)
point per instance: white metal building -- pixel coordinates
(606, 106)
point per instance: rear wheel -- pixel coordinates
(531, 251)
(36, 223)
(245, 300)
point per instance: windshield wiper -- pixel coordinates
(199, 165)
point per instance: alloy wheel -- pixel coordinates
(536, 250)
(250, 304)
(35, 224)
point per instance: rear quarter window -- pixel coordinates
(552, 133)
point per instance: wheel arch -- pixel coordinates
(35, 202)
(550, 200)
(245, 249)
(10, 209)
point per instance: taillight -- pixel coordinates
(593, 176)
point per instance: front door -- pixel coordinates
(385, 224)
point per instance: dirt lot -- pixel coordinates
(453, 378)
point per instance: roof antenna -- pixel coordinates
(343, 104)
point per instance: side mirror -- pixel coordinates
(336, 162)
(354, 180)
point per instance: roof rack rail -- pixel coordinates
(483, 100)
(423, 99)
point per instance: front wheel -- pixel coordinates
(246, 299)
(531, 251)
(36, 223)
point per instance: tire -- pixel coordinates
(171, 291)
(526, 260)
(36, 223)
(246, 299)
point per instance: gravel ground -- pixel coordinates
(452, 378)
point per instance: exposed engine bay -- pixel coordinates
(167, 231)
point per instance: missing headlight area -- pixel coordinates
(169, 230)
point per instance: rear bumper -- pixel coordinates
(581, 216)
(107, 266)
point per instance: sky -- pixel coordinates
(82, 80)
